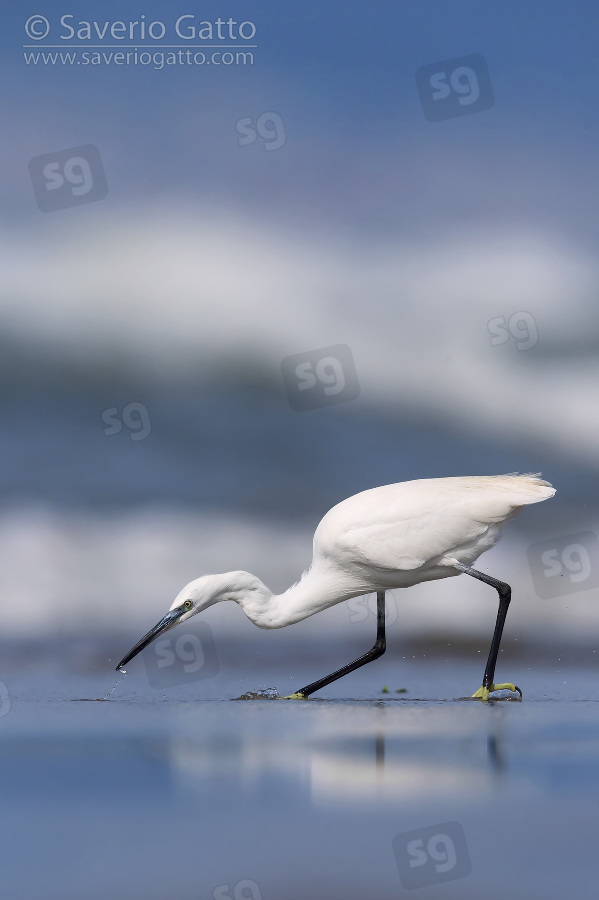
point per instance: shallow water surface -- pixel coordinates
(151, 796)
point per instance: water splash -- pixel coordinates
(266, 694)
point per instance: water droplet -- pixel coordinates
(122, 671)
(110, 692)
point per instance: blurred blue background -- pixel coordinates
(294, 201)
(360, 182)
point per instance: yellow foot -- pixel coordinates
(483, 692)
(298, 696)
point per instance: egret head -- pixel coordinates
(197, 596)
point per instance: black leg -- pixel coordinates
(505, 595)
(377, 650)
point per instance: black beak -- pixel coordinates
(171, 619)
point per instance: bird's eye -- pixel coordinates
(188, 604)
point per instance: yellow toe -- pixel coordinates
(298, 696)
(483, 692)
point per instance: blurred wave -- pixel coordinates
(75, 574)
(189, 297)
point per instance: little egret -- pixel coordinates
(384, 538)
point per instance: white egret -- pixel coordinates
(384, 538)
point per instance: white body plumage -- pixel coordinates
(387, 537)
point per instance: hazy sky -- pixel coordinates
(358, 152)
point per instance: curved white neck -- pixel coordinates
(313, 593)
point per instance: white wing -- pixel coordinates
(403, 526)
